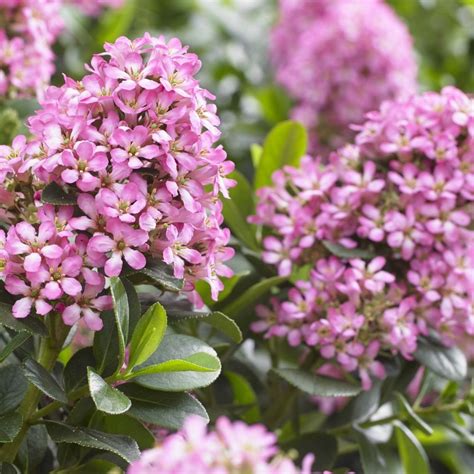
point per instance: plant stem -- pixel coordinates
(48, 352)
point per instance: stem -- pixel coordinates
(48, 352)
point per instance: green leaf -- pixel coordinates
(34, 447)
(9, 125)
(13, 386)
(343, 252)
(115, 22)
(318, 385)
(322, 445)
(122, 446)
(413, 417)
(200, 362)
(121, 313)
(55, 194)
(106, 346)
(372, 460)
(10, 425)
(217, 320)
(24, 107)
(244, 394)
(250, 296)
(274, 103)
(31, 325)
(256, 152)
(363, 406)
(167, 410)
(414, 458)
(179, 347)
(447, 362)
(204, 289)
(7, 468)
(134, 306)
(147, 335)
(284, 145)
(75, 372)
(106, 398)
(237, 208)
(126, 425)
(161, 274)
(14, 343)
(42, 379)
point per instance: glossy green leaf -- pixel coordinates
(42, 379)
(318, 385)
(251, 295)
(13, 386)
(134, 306)
(238, 208)
(413, 417)
(412, 454)
(343, 252)
(147, 335)
(168, 410)
(34, 447)
(363, 406)
(10, 425)
(14, 343)
(31, 325)
(122, 446)
(106, 398)
(55, 194)
(448, 362)
(121, 313)
(106, 346)
(372, 459)
(126, 425)
(162, 275)
(75, 372)
(285, 145)
(179, 347)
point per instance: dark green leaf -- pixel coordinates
(167, 410)
(147, 335)
(75, 372)
(217, 320)
(162, 275)
(14, 343)
(238, 208)
(343, 252)
(106, 347)
(175, 347)
(372, 460)
(34, 447)
(284, 145)
(106, 398)
(244, 394)
(318, 385)
(322, 445)
(13, 386)
(31, 325)
(126, 425)
(122, 446)
(413, 417)
(134, 306)
(250, 296)
(55, 194)
(10, 425)
(42, 379)
(448, 362)
(413, 455)
(121, 312)
(7, 468)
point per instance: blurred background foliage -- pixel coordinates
(231, 37)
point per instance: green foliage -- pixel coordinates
(106, 398)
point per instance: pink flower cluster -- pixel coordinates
(94, 7)
(400, 206)
(133, 144)
(340, 59)
(29, 28)
(232, 448)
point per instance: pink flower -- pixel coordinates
(32, 295)
(370, 276)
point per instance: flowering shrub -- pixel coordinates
(340, 59)
(132, 144)
(231, 448)
(384, 230)
(30, 27)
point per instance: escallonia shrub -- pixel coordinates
(111, 205)
(383, 233)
